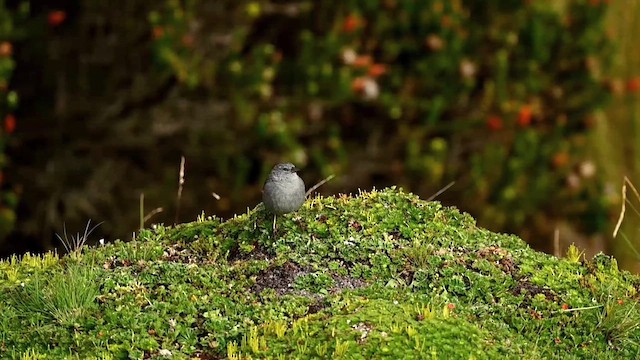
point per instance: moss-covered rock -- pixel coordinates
(379, 275)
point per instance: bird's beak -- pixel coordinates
(295, 169)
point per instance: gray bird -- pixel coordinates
(284, 191)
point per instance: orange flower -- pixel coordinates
(9, 123)
(352, 23)
(56, 17)
(377, 70)
(451, 306)
(565, 307)
(358, 84)
(494, 123)
(560, 159)
(524, 117)
(633, 85)
(6, 49)
(158, 32)
(362, 61)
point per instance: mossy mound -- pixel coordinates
(378, 275)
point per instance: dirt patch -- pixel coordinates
(282, 279)
(396, 235)
(529, 290)
(317, 306)
(500, 257)
(259, 252)
(115, 262)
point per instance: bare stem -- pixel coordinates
(180, 185)
(441, 191)
(328, 178)
(152, 213)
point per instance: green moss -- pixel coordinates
(379, 275)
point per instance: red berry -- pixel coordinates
(494, 123)
(6, 49)
(525, 115)
(57, 17)
(351, 23)
(633, 85)
(377, 70)
(9, 124)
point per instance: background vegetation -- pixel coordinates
(500, 96)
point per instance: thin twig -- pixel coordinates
(441, 191)
(632, 187)
(153, 212)
(622, 210)
(145, 218)
(582, 308)
(556, 242)
(633, 208)
(319, 184)
(180, 185)
(66, 246)
(141, 211)
(630, 245)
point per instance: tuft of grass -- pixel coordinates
(620, 321)
(64, 297)
(74, 244)
(31, 354)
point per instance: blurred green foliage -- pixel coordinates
(8, 105)
(496, 95)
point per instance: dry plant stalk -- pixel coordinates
(441, 191)
(556, 243)
(624, 201)
(180, 185)
(152, 213)
(145, 218)
(319, 184)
